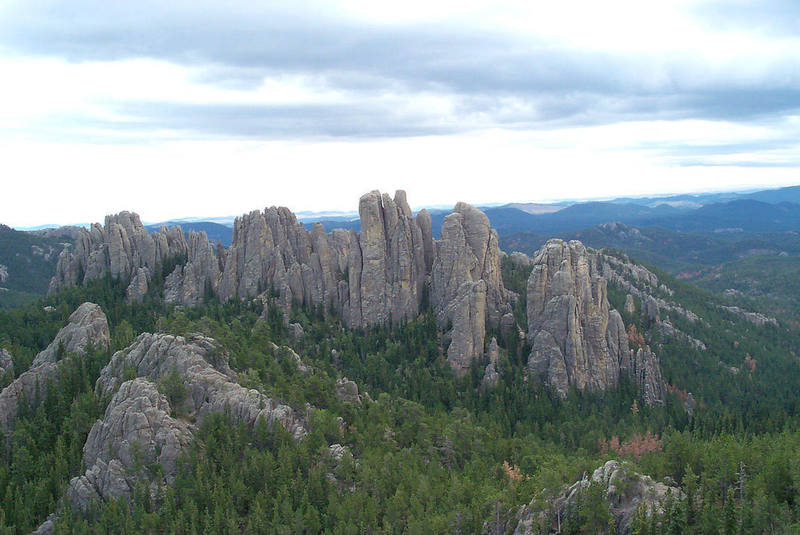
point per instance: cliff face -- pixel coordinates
(118, 248)
(576, 338)
(374, 277)
(466, 284)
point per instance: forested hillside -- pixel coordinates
(416, 449)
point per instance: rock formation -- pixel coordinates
(117, 248)
(626, 491)
(374, 277)
(29, 386)
(87, 325)
(466, 283)
(576, 338)
(6, 362)
(491, 375)
(135, 432)
(347, 391)
(139, 428)
(189, 283)
(137, 288)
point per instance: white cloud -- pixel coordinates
(189, 109)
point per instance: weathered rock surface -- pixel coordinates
(347, 391)
(626, 491)
(189, 283)
(491, 375)
(87, 325)
(135, 432)
(3, 273)
(29, 386)
(210, 384)
(296, 331)
(576, 338)
(467, 289)
(6, 362)
(138, 429)
(137, 288)
(117, 248)
(756, 318)
(630, 305)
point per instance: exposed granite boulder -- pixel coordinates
(576, 338)
(491, 375)
(138, 428)
(135, 432)
(626, 491)
(118, 248)
(3, 273)
(6, 362)
(87, 325)
(30, 386)
(347, 391)
(210, 384)
(137, 288)
(630, 305)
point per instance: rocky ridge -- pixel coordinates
(87, 326)
(576, 338)
(626, 491)
(141, 427)
(374, 277)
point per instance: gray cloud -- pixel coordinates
(493, 79)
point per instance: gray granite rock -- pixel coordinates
(576, 338)
(136, 432)
(6, 362)
(624, 490)
(87, 326)
(118, 248)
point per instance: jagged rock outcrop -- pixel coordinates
(630, 305)
(138, 428)
(3, 273)
(210, 384)
(271, 250)
(29, 386)
(756, 318)
(392, 259)
(347, 391)
(135, 432)
(117, 248)
(189, 283)
(6, 362)
(576, 338)
(296, 331)
(467, 289)
(491, 375)
(626, 491)
(137, 288)
(87, 325)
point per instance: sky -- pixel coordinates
(177, 109)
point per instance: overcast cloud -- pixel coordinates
(214, 108)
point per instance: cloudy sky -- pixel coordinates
(204, 108)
